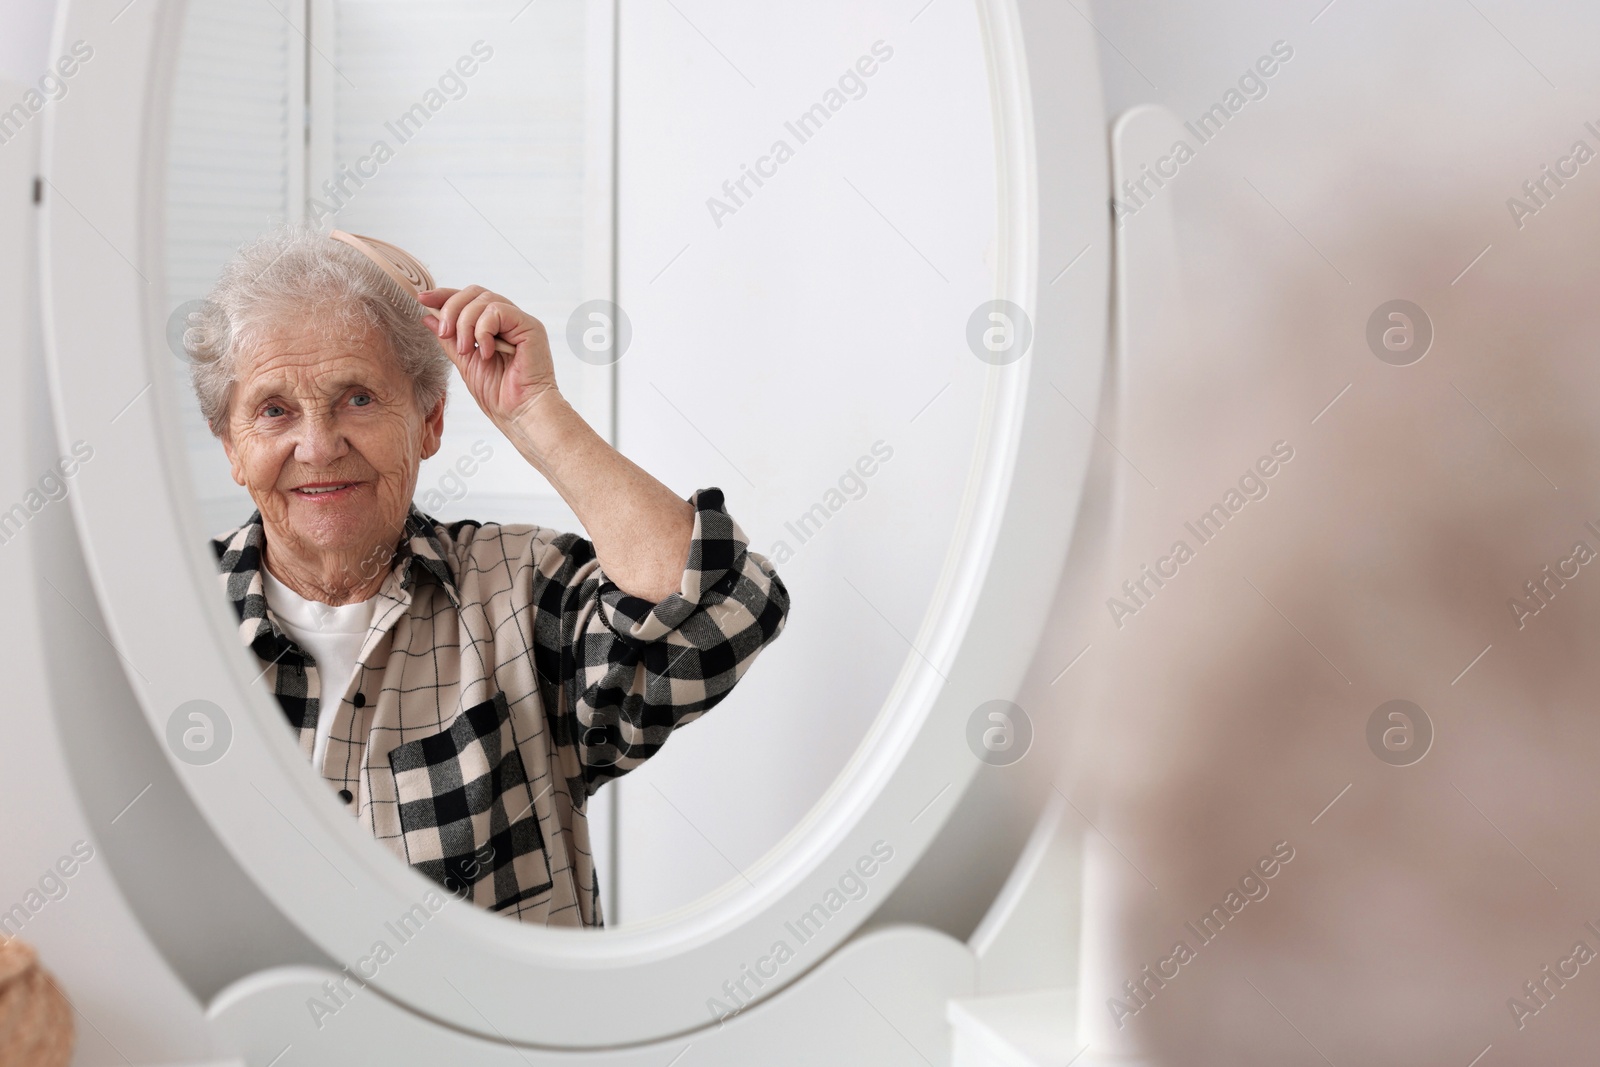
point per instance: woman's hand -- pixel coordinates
(641, 530)
(467, 322)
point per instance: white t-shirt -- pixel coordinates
(333, 637)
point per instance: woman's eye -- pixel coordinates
(362, 400)
(272, 411)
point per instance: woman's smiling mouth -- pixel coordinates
(325, 491)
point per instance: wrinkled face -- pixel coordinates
(327, 436)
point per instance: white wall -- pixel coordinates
(771, 352)
(24, 46)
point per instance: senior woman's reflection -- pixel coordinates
(464, 687)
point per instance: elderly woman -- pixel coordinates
(465, 688)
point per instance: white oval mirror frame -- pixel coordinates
(158, 592)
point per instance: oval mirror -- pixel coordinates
(823, 261)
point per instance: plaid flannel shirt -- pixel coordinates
(504, 679)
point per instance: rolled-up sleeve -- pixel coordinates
(623, 673)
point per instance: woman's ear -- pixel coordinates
(433, 429)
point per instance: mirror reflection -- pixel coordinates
(491, 541)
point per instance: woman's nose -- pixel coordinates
(320, 441)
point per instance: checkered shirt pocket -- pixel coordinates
(456, 789)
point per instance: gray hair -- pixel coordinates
(285, 276)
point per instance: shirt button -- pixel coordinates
(360, 700)
(346, 796)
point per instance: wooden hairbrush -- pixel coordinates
(405, 269)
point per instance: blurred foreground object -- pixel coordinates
(35, 1019)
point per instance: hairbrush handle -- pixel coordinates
(407, 271)
(503, 346)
